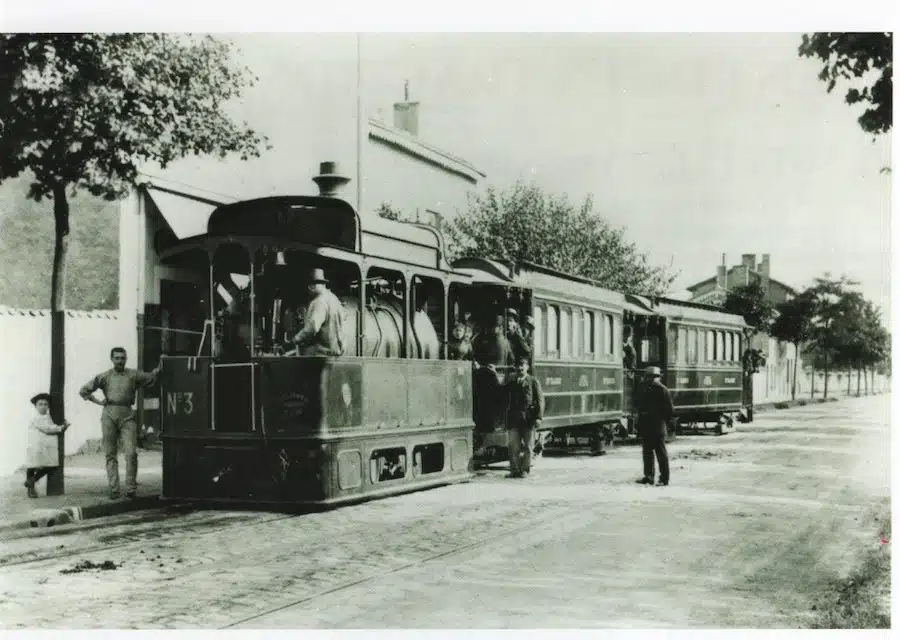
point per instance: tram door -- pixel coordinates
(645, 335)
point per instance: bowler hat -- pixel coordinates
(656, 372)
(40, 396)
(512, 313)
(529, 322)
(318, 275)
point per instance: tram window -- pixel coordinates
(565, 323)
(728, 347)
(539, 329)
(598, 337)
(589, 343)
(691, 350)
(428, 318)
(650, 349)
(609, 337)
(428, 458)
(720, 346)
(710, 346)
(672, 344)
(737, 347)
(576, 333)
(682, 350)
(552, 329)
(387, 464)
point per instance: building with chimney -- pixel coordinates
(714, 290)
(774, 381)
(416, 179)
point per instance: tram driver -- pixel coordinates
(323, 326)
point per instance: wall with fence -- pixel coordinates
(25, 371)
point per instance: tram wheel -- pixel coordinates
(719, 429)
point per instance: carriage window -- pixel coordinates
(710, 346)
(672, 344)
(737, 347)
(720, 347)
(609, 335)
(576, 333)
(539, 329)
(650, 350)
(552, 329)
(691, 346)
(728, 345)
(682, 351)
(589, 329)
(565, 323)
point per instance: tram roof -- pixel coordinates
(685, 311)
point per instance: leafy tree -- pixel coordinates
(794, 323)
(864, 58)
(750, 301)
(522, 223)
(84, 111)
(828, 336)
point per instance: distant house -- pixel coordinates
(714, 290)
(420, 181)
(773, 382)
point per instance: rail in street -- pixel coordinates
(753, 526)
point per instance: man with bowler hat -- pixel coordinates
(323, 327)
(655, 410)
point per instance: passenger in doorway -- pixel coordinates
(518, 343)
(655, 410)
(117, 419)
(526, 410)
(528, 329)
(461, 342)
(323, 326)
(628, 353)
(43, 443)
(492, 348)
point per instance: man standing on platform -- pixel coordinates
(526, 410)
(323, 327)
(118, 420)
(655, 410)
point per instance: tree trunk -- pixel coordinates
(794, 385)
(55, 480)
(858, 375)
(812, 383)
(849, 380)
(825, 392)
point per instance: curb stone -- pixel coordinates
(45, 518)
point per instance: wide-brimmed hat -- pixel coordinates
(40, 396)
(317, 275)
(656, 372)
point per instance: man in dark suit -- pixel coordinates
(655, 410)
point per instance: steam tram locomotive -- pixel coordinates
(251, 420)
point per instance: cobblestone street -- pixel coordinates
(752, 526)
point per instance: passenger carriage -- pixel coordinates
(250, 420)
(698, 347)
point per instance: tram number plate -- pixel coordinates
(180, 402)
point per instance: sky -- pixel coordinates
(697, 144)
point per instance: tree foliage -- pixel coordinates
(522, 223)
(865, 59)
(751, 302)
(85, 111)
(387, 212)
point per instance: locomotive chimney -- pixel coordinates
(330, 180)
(406, 113)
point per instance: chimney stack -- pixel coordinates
(406, 113)
(721, 282)
(330, 180)
(764, 272)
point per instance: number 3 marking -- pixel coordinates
(189, 405)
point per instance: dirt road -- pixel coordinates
(751, 530)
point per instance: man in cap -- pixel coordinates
(323, 327)
(655, 410)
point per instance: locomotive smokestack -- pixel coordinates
(330, 180)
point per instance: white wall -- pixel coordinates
(25, 371)
(408, 184)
